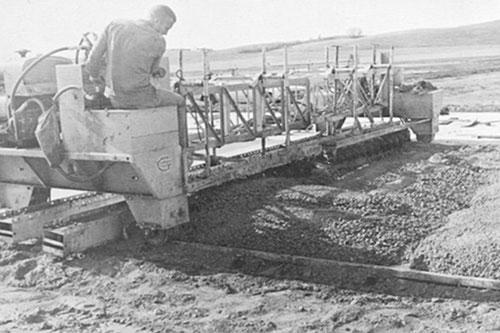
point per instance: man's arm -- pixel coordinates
(93, 64)
(156, 70)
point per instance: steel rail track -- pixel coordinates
(396, 280)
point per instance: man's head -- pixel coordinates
(162, 18)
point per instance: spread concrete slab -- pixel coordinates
(480, 127)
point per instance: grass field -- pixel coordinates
(468, 49)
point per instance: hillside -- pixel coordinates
(477, 34)
(312, 51)
(487, 33)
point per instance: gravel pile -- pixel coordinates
(404, 208)
(470, 242)
(379, 224)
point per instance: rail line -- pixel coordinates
(395, 280)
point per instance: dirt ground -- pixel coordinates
(431, 206)
(128, 286)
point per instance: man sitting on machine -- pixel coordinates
(131, 52)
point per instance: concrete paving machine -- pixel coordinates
(56, 136)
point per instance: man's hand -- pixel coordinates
(98, 83)
(159, 73)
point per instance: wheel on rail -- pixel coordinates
(425, 138)
(155, 236)
(406, 135)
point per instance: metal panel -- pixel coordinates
(418, 106)
(30, 223)
(15, 196)
(14, 169)
(167, 213)
(85, 232)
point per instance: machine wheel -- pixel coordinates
(155, 237)
(425, 138)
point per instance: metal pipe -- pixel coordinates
(390, 72)
(261, 105)
(222, 113)
(381, 66)
(264, 65)
(336, 85)
(327, 57)
(312, 117)
(285, 99)
(183, 111)
(355, 83)
(181, 62)
(372, 83)
(206, 98)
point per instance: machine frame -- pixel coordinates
(234, 127)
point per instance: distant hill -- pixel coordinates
(310, 51)
(487, 33)
(477, 34)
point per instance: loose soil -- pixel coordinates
(433, 207)
(375, 213)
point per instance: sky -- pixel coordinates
(44, 25)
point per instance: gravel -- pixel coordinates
(469, 243)
(379, 220)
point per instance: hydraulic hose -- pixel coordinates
(30, 67)
(77, 179)
(10, 112)
(33, 100)
(63, 90)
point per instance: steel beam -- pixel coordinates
(19, 225)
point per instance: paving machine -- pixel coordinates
(56, 136)
(131, 152)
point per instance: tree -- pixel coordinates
(355, 32)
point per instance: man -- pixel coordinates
(131, 51)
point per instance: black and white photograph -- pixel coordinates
(192, 166)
